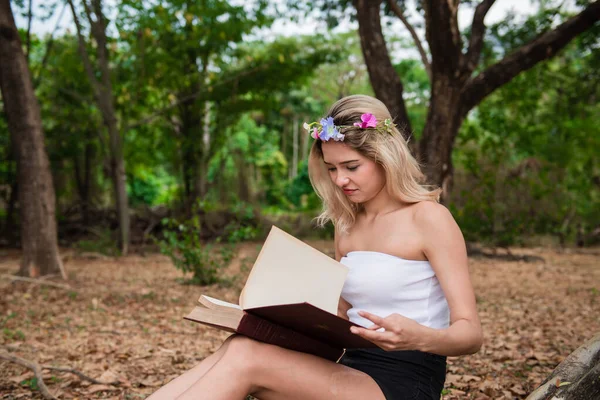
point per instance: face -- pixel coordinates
(360, 178)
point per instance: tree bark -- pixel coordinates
(439, 134)
(36, 191)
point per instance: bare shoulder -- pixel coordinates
(429, 212)
(434, 221)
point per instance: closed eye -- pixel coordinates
(352, 168)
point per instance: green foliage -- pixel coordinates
(148, 187)
(527, 159)
(205, 260)
(182, 245)
(300, 192)
(250, 155)
(31, 383)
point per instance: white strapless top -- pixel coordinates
(383, 284)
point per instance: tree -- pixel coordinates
(199, 54)
(457, 85)
(36, 191)
(103, 94)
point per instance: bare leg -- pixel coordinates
(270, 372)
(181, 383)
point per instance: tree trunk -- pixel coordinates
(36, 192)
(439, 134)
(104, 100)
(192, 136)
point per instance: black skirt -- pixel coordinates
(401, 375)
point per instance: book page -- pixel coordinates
(289, 271)
(211, 302)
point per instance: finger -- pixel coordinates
(374, 327)
(372, 336)
(372, 317)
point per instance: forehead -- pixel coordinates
(338, 152)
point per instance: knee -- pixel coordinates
(243, 352)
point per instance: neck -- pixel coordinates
(381, 204)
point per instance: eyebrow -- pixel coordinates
(343, 162)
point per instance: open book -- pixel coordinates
(290, 299)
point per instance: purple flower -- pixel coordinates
(368, 121)
(329, 130)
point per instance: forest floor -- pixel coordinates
(121, 320)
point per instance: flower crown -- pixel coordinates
(325, 129)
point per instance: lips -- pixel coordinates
(349, 191)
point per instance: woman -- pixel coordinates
(408, 284)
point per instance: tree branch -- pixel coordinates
(443, 36)
(477, 34)
(84, 54)
(80, 375)
(37, 281)
(400, 14)
(36, 370)
(543, 47)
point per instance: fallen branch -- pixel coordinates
(80, 374)
(38, 281)
(36, 370)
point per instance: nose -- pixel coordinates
(341, 180)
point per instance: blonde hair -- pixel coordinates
(402, 172)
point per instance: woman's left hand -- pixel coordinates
(401, 333)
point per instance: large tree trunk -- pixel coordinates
(104, 100)
(437, 141)
(36, 191)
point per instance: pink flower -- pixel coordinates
(315, 133)
(368, 121)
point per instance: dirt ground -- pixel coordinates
(121, 320)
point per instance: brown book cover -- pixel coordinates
(313, 322)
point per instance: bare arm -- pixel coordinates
(445, 249)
